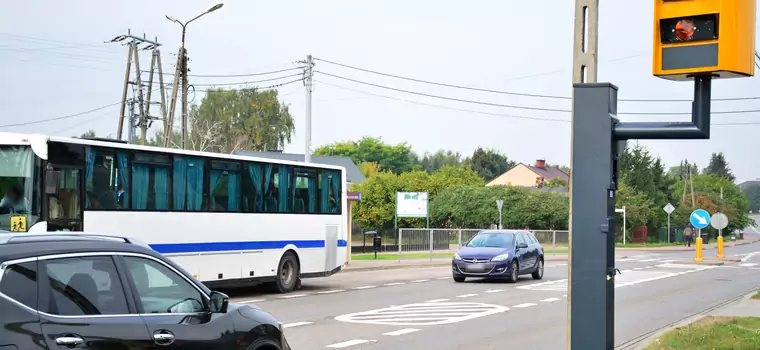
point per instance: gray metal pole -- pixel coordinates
(309, 82)
(668, 228)
(499, 219)
(143, 121)
(122, 115)
(184, 94)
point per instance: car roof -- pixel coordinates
(502, 231)
(30, 248)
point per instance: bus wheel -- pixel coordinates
(288, 273)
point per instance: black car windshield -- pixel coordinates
(493, 240)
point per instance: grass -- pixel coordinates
(646, 245)
(756, 296)
(712, 333)
(394, 256)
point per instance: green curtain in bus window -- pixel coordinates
(282, 191)
(324, 191)
(336, 191)
(161, 187)
(194, 184)
(140, 181)
(89, 165)
(312, 189)
(267, 181)
(123, 180)
(180, 182)
(233, 178)
(214, 178)
(254, 171)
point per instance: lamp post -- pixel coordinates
(622, 210)
(182, 58)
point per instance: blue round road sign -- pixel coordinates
(700, 218)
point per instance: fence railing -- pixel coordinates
(437, 243)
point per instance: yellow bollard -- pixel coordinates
(720, 248)
(698, 245)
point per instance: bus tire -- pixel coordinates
(288, 273)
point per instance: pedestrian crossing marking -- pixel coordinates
(423, 314)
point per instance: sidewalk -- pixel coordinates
(681, 248)
(371, 265)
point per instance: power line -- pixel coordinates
(488, 113)
(513, 93)
(252, 82)
(239, 75)
(257, 87)
(83, 46)
(63, 117)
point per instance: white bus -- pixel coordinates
(228, 219)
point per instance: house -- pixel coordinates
(747, 184)
(353, 174)
(523, 175)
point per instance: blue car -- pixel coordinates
(504, 254)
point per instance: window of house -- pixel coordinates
(224, 186)
(187, 183)
(150, 181)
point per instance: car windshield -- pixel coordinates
(17, 188)
(493, 240)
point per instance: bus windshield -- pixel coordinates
(17, 188)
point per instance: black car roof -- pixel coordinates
(25, 249)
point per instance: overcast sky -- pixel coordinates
(54, 63)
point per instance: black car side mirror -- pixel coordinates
(219, 302)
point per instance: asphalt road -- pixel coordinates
(422, 308)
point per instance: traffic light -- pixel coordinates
(693, 37)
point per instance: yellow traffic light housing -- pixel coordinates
(697, 37)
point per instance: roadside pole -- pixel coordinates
(669, 208)
(499, 204)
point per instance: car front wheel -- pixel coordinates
(514, 272)
(539, 273)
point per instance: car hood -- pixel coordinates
(481, 252)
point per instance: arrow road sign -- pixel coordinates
(699, 218)
(719, 221)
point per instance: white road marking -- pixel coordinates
(402, 331)
(549, 300)
(748, 265)
(561, 265)
(524, 305)
(638, 268)
(292, 296)
(466, 295)
(394, 284)
(436, 300)
(295, 324)
(749, 256)
(332, 291)
(251, 301)
(494, 290)
(418, 281)
(625, 259)
(365, 287)
(558, 285)
(423, 314)
(564, 295)
(649, 260)
(443, 278)
(346, 344)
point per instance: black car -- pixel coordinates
(85, 291)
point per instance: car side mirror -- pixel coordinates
(219, 302)
(522, 245)
(51, 182)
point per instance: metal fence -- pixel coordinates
(414, 243)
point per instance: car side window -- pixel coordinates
(19, 282)
(521, 239)
(160, 290)
(84, 286)
(531, 239)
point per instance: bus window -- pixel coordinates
(305, 191)
(224, 186)
(188, 183)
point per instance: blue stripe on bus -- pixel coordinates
(232, 246)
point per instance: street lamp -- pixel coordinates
(182, 67)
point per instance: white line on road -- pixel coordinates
(649, 260)
(466, 295)
(365, 287)
(418, 281)
(524, 305)
(494, 290)
(251, 301)
(564, 295)
(749, 256)
(443, 278)
(295, 324)
(332, 291)
(626, 259)
(346, 344)
(402, 331)
(292, 296)
(638, 268)
(394, 284)
(748, 265)
(436, 300)
(549, 300)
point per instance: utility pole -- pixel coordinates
(184, 97)
(308, 74)
(133, 58)
(169, 126)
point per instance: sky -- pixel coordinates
(55, 62)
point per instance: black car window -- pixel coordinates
(492, 239)
(19, 282)
(161, 290)
(84, 286)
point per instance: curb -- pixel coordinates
(403, 266)
(669, 249)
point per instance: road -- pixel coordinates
(422, 308)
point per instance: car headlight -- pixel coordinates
(500, 257)
(457, 257)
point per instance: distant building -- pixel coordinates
(744, 185)
(523, 175)
(353, 174)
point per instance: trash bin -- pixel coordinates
(377, 244)
(705, 238)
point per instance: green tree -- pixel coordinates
(638, 207)
(433, 162)
(715, 194)
(88, 134)
(369, 169)
(489, 163)
(718, 166)
(645, 175)
(395, 158)
(251, 119)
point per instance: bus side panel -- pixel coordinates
(231, 244)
